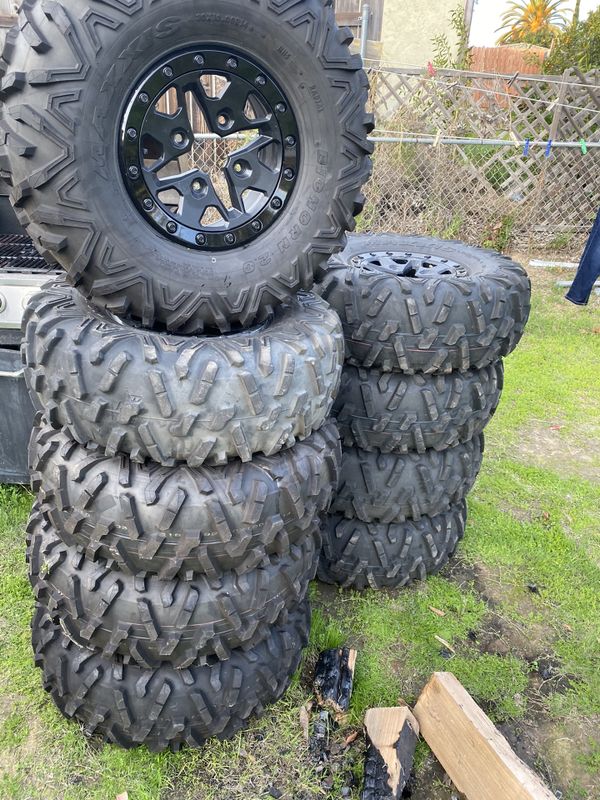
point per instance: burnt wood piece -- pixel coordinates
(392, 735)
(334, 675)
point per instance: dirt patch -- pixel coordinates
(545, 446)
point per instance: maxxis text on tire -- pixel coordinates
(173, 398)
(361, 555)
(149, 621)
(72, 74)
(416, 304)
(165, 707)
(180, 521)
(378, 487)
(398, 413)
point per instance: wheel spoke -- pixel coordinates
(225, 114)
(194, 201)
(164, 128)
(253, 173)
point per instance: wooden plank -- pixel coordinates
(392, 735)
(473, 752)
(349, 18)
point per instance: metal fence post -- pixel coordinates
(364, 29)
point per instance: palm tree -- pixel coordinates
(533, 21)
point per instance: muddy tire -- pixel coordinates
(181, 399)
(179, 521)
(416, 304)
(361, 555)
(166, 708)
(149, 621)
(401, 413)
(378, 487)
(91, 200)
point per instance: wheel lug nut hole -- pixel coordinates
(179, 139)
(199, 187)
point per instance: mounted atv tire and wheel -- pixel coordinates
(106, 108)
(414, 304)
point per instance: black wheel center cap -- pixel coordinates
(209, 148)
(409, 265)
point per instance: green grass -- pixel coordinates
(523, 589)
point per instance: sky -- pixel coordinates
(487, 14)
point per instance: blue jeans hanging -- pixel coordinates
(588, 270)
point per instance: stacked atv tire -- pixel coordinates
(184, 377)
(426, 324)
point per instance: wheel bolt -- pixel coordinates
(172, 227)
(257, 225)
(229, 238)
(144, 98)
(199, 60)
(276, 202)
(132, 133)
(200, 239)
(168, 72)
(281, 108)
(261, 80)
(232, 63)
(134, 172)
(290, 141)
(148, 204)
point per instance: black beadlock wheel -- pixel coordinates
(190, 164)
(235, 98)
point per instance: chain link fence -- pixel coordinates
(494, 160)
(465, 155)
(469, 191)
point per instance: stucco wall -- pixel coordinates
(409, 27)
